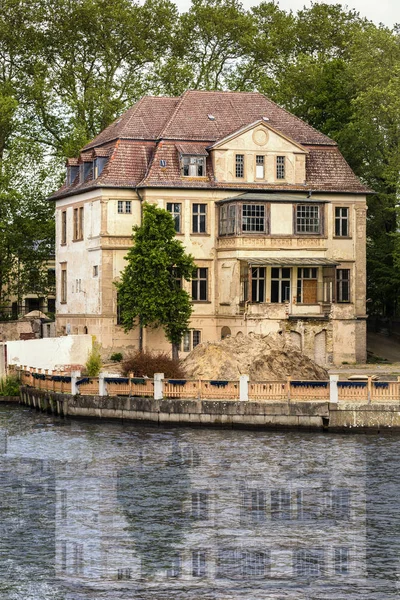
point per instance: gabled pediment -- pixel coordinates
(259, 136)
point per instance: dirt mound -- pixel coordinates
(262, 357)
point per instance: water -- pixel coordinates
(106, 511)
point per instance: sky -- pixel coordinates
(382, 11)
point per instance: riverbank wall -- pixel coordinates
(316, 415)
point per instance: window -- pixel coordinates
(64, 227)
(72, 173)
(253, 505)
(307, 219)
(63, 504)
(260, 172)
(78, 558)
(199, 218)
(190, 340)
(51, 277)
(95, 271)
(124, 573)
(307, 285)
(98, 165)
(198, 563)
(253, 563)
(343, 285)
(280, 284)
(242, 564)
(193, 166)
(200, 505)
(341, 221)
(239, 165)
(227, 219)
(176, 210)
(63, 283)
(280, 505)
(341, 559)
(51, 305)
(253, 217)
(200, 285)
(308, 562)
(84, 170)
(280, 167)
(175, 568)
(78, 223)
(63, 555)
(124, 207)
(341, 504)
(258, 284)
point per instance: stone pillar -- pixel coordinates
(158, 386)
(244, 387)
(102, 385)
(333, 389)
(75, 375)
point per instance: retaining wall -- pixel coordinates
(313, 415)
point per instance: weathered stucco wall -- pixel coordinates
(49, 353)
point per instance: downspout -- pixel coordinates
(141, 221)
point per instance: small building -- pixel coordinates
(267, 205)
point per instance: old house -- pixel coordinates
(272, 213)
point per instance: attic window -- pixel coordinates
(193, 166)
(98, 165)
(84, 170)
(265, 118)
(72, 172)
(211, 117)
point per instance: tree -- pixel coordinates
(150, 292)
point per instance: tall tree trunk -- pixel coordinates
(175, 351)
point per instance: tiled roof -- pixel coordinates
(143, 145)
(231, 111)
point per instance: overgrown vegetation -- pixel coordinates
(94, 362)
(9, 386)
(116, 357)
(145, 364)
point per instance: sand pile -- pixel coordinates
(263, 358)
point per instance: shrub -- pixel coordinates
(145, 364)
(94, 362)
(116, 357)
(9, 386)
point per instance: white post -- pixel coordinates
(333, 389)
(75, 375)
(102, 385)
(244, 387)
(158, 386)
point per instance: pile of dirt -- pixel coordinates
(270, 357)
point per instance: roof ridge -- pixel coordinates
(181, 98)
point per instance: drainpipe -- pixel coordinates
(141, 221)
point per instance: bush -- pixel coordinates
(94, 362)
(145, 364)
(9, 386)
(116, 357)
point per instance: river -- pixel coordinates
(112, 511)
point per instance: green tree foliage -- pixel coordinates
(150, 292)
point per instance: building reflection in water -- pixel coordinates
(259, 516)
(110, 512)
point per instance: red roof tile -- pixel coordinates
(145, 142)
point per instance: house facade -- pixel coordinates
(270, 210)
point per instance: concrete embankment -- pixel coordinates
(312, 415)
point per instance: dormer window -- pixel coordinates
(98, 165)
(193, 166)
(84, 170)
(72, 172)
